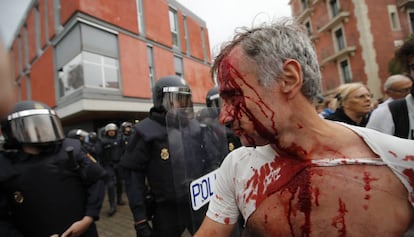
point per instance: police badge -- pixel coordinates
(165, 155)
(18, 197)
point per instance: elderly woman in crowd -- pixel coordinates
(354, 104)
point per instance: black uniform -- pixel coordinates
(149, 156)
(48, 192)
(109, 159)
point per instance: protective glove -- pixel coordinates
(143, 229)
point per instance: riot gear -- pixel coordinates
(171, 92)
(126, 127)
(32, 122)
(110, 127)
(77, 134)
(213, 98)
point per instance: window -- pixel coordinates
(308, 28)
(87, 57)
(203, 42)
(334, 7)
(178, 66)
(150, 53)
(88, 70)
(394, 20)
(174, 28)
(340, 40)
(19, 54)
(56, 11)
(411, 18)
(346, 71)
(186, 35)
(304, 4)
(26, 46)
(140, 12)
(37, 30)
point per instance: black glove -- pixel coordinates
(143, 229)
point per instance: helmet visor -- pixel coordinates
(176, 97)
(36, 126)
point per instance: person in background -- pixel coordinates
(109, 159)
(396, 87)
(329, 106)
(125, 133)
(298, 174)
(397, 117)
(354, 104)
(53, 187)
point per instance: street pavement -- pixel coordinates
(121, 224)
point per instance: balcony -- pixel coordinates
(405, 3)
(350, 50)
(334, 22)
(305, 14)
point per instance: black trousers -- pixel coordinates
(172, 218)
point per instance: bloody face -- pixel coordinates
(245, 102)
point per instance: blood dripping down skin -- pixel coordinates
(293, 176)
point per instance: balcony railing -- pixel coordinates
(350, 50)
(305, 14)
(405, 3)
(341, 17)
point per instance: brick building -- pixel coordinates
(355, 40)
(95, 61)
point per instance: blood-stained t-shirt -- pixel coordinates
(248, 173)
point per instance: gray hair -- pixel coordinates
(268, 46)
(393, 79)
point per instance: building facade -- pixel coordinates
(95, 61)
(355, 40)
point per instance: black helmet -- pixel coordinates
(168, 91)
(32, 122)
(213, 97)
(93, 137)
(77, 134)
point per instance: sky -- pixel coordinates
(221, 16)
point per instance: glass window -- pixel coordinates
(140, 12)
(334, 7)
(411, 15)
(151, 65)
(38, 30)
(308, 28)
(394, 20)
(346, 72)
(178, 66)
(340, 41)
(88, 70)
(174, 28)
(304, 4)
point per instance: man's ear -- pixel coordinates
(291, 81)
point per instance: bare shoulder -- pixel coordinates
(211, 228)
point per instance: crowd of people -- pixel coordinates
(287, 161)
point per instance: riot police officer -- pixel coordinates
(125, 134)
(150, 155)
(110, 157)
(51, 185)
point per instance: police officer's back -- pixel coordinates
(51, 185)
(150, 155)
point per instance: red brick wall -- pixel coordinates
(68, 8)
(42, 79)
(51, 19)
(134, 67)
(198, 77)
(182, 31)
(123, 15)
(23, 88)
(157, 22)
(195, 39)
(164, 62)
(42, 24)
(15, 58)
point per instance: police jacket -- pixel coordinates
(48, 192)
(111, 150)
(154, 153)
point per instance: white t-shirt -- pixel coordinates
(236, 188)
